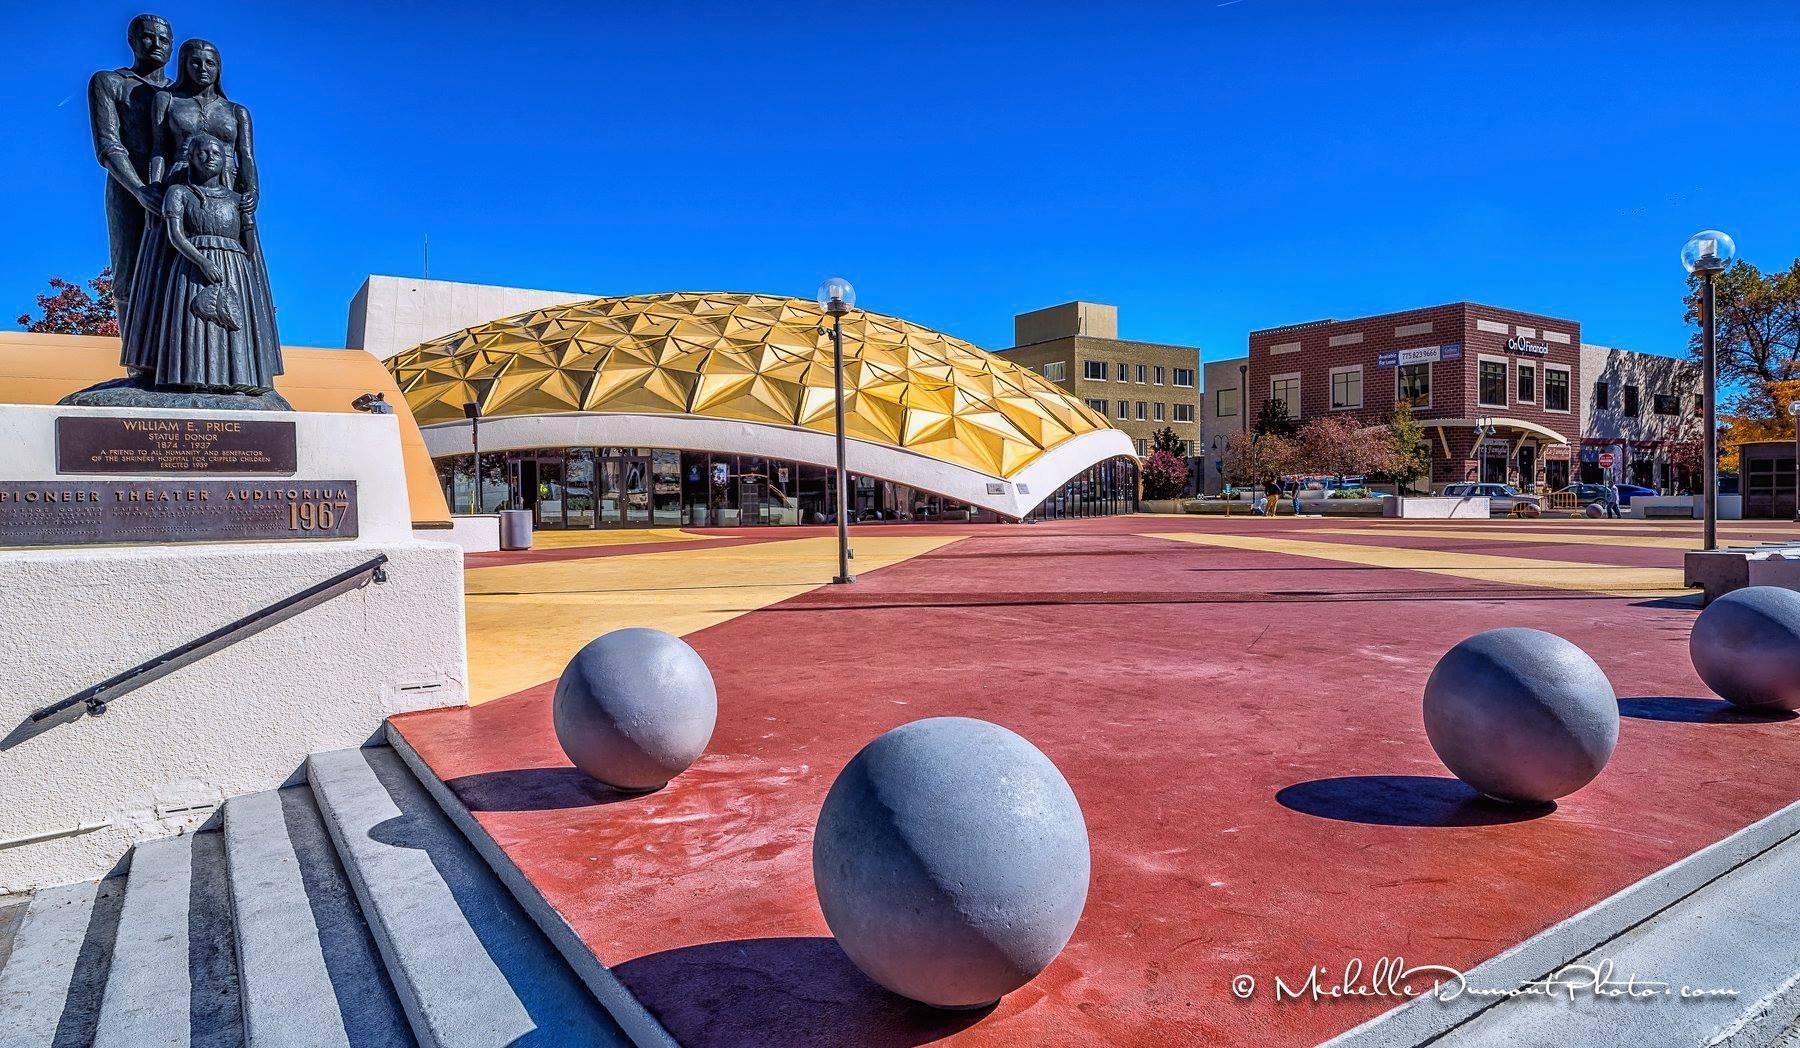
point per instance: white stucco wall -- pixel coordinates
(391, 314)
(695, 433)
(242, 719)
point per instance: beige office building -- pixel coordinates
(1142, 387)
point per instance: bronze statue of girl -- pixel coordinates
(205, 312)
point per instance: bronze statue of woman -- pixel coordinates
(200, 269)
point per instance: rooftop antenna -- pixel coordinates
(428, 256)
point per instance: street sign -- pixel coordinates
(1606, 460)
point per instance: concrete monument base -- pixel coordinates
(81, 788)
(1472, 507)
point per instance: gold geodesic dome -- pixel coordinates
(748, 358)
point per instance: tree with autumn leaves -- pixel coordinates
(72, 309)
(1757, 318)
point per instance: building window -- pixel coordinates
(1093, 370)
(1143, 446)
(1122, 373)
(1286, 389)
(1099, 406)
(1493, 383)
(1412, 385)
(1143, 374)
(1143, 411)
(1184, 376)
(1527, 383)
(1346, 388)
(1225, 403)
(1556, 389)
(1056, 371)
(1185, 412)
(1159, 374)
(1630, 401)
(1159, 411)
(1125, 409)
(1602, 396)
(1665, 404)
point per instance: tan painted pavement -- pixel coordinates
(1517, 571)
(1502, 535)
(527, 620)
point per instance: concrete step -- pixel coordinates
(1740, 932)
(471, 969)
(310, 972)
(51, 986)
(173, 982)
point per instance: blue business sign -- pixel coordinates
(1422, 355)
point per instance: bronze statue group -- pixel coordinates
(195, 313)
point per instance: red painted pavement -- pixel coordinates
(1243, 732)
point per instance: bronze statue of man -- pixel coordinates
(119, 104)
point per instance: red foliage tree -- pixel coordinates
(1165, 475)
(70, 309)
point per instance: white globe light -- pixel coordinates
(1707, 251)
(836, 296)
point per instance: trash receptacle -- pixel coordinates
(515, 529)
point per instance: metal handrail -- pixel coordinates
(93, 700)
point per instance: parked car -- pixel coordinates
(1586, 494)
(1627, 492)
(1502, 498)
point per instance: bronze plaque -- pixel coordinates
(148, 444)
(150, 512)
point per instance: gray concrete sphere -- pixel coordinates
(1521, 715)
(1594, 510)
(951, 861)
(1746, 647)
(634, 708)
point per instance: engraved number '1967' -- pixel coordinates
(314, 516)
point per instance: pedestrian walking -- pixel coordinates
(1271, 497)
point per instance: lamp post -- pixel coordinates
(837, 298)
(1244, 397)
(1707, 253)
(472, 412)
(1794, 410)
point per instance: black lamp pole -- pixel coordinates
(837, 307)
(472, 412)
(1709, 383)
(1244, 397)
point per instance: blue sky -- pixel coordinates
(1208, 167)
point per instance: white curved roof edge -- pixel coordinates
(1498, 420)
(1038, 479)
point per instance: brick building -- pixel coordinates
(1461, 366)
(1141, 386)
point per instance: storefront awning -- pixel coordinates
(1499, 422)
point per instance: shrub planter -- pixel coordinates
(1159, 505)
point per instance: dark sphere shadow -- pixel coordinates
(534, 789)
(1698, 711)
(794, 992)
(1404, 800)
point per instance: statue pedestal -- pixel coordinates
(123, 590)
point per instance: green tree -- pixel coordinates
(1407, 454)
(1758, 334)
(1165, 439)
(1273, 418)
